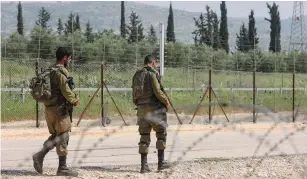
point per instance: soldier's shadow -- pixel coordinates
(19, 173)
(10, 173)
(109, 169)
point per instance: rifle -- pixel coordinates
(70, 106)
(162, 88)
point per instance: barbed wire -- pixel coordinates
(188, 67)
(219, 126)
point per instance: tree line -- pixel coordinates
(210, 46)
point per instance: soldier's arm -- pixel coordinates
(66, 91)
(157, 90)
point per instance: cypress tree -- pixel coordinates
(224, 27)
(170, 32)
(19, 19)
(252, 31)
(123, 29)
(215, 24)
(209, 29)
(275, 28)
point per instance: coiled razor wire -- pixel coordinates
(265, 111)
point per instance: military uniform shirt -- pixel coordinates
(60, 88)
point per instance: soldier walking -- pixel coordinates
(56, 115)
(152, 105)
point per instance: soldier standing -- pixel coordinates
(56, 115)
(152, 105)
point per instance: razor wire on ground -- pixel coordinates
(221, 124)
(262, 85)
(233, 92)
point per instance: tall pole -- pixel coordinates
(36, 71)
(210, 97)
(102, 82)
(254, 84)
(298, 41)
(136, 47)
(298, 35)
(5, 40)
(293, 91)
(210, 84)
(161, 28)
(72, 42)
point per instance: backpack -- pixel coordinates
(138, 83)
(41, 85)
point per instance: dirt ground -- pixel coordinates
(282, 166)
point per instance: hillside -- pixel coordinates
(105, 15)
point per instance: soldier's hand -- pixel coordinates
(168, 107)
(76, 102)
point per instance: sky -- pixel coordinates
(234, 8)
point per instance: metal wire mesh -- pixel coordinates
(186, 77)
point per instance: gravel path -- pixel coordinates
(293, 167)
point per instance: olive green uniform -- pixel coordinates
(57, 119)
(151, 112)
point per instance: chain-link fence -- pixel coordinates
(185, 85)
(252, 78)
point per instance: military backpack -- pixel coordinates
(138, 81)
(40, 85)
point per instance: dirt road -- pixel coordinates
(116, 147)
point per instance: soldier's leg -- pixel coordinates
(160, 126)
(63, 126)
(144, 131)
(49, 144)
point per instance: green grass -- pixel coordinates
(184, 102)
(88, 76)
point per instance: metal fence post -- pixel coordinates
(102, 102)
(22, 95)
(293, 89)
(10, 80)
(210, 90)
(293, 97)
(254, 96)
(37, 111)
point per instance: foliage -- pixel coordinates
(135, 29)
(19, 19)
(43, 18)
(242, 39)
(170, 29)
(60, 28)
(224, 35)
(123, 30)
(252, 31)
(92, 47)
(152, 36)
(275, 28)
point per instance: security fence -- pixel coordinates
(185, 86)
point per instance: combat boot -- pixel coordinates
(38, 160)
(63, 170)
(144, 164)
(162, 164)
